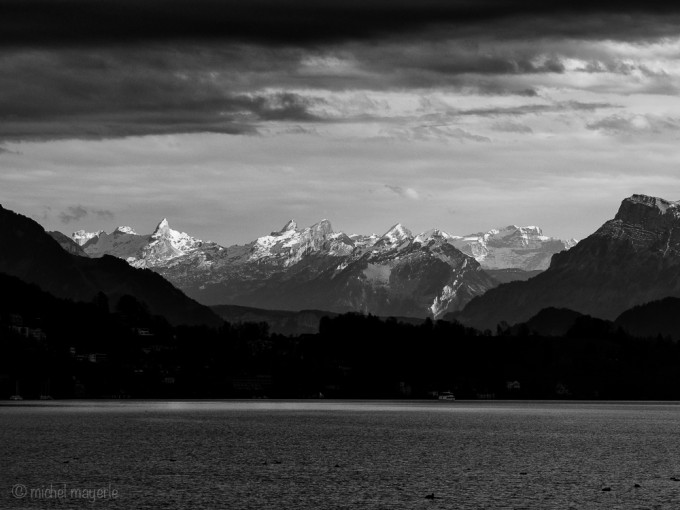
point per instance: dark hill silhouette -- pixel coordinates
(550, 322)
(29, 253)
(652, 319)
(630, 260)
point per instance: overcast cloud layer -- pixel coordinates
(231, 117)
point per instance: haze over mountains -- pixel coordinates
(294, 268)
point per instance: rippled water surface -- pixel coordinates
(314, 455)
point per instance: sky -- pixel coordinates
(231, 117)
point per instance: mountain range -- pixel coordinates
(619, 273)
(397, 273)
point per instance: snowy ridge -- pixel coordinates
(81, 237)
(290, 244)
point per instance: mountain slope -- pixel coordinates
(68, 244)
(29, 253)
(632, 259)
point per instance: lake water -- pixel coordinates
(326, 454)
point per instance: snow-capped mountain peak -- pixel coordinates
(81, 236)
(433, 233)
(124, 230)
(165, 245)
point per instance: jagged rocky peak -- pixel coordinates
(649, 212)
(162, 228)
(323, 228)
(291, 225)
(124, 230)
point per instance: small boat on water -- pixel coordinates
(446, 395)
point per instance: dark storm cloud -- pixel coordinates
(306, 22)
(116, 68)
(78, 212)
(125, 93)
